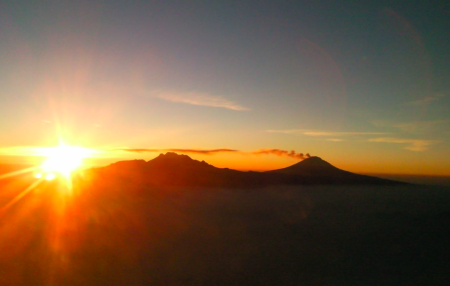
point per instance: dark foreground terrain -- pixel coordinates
(115, 231)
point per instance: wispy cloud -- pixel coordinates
(281, 153)
(419, 126)
(381, 123)
(335, 139)
(411, 144)
(186, 151)
(277, 152)
(197, 98)
(323, 133)
(426, 100)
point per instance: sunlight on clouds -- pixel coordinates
(426, 100)
(47, 158)
(420, 126)
(20, 151)
(278, 152)
(322, 133)
(41, 151)
(187, 151)
(202, 99)
(416, 145)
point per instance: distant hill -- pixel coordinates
(181, 170)
(312, 166)
(314, 170)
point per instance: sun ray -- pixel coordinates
(19, 172)
(61, 161)
(19, 197)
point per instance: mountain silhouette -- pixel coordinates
(313, 166)
(171, 169)
(314, 170)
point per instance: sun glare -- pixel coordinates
(50, 176)
(62, 160)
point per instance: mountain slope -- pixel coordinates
(314, 170)
(171, 169)
(180, 170)
(313, 166)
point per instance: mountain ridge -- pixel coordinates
(181, 170)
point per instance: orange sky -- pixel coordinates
(214, 76)
(247, 160)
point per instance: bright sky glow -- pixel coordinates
(363, 86)
(63, 159)
(50, 176)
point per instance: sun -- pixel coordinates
(62, 160)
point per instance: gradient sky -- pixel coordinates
(362, 84)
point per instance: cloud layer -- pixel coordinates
(419, 126)
(323, 133)
(191, 151)
(281, 153)
(426, 100)
(202, 99)
(277, 152)
(411, 144)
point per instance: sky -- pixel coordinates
(248, 85)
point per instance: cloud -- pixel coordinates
(277, 152)
(281, 153)
(411, 144)
(197, 98)
(382, 123)
(426, 100)
(335, 139)
(323, 133)
(191, 151)
(419, 126)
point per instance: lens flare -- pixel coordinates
(50, 176)
(63, 159)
